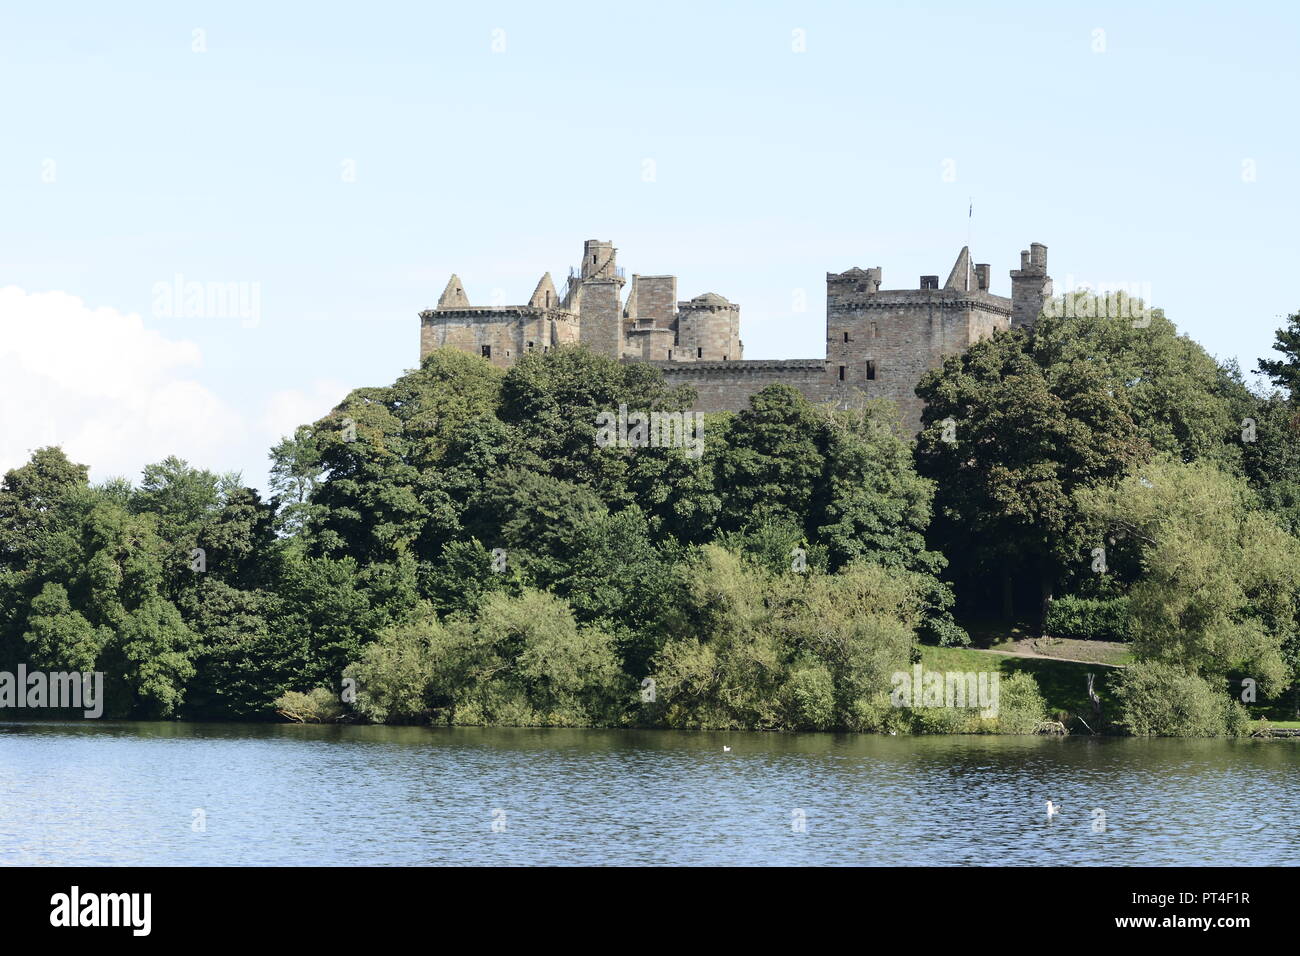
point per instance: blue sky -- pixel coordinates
(344, 159)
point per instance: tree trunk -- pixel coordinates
(1008, 595)
(1047, 584)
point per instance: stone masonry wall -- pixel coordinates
(508, 332)
(656, 300)
(880, 344)
(728, 386)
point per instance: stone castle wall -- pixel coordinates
(728, 386)
(505, 333)
(879, 342)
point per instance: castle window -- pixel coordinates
(487, 351)
(841, 373)
(875, 330)
(699, 353)
(846, 336)
(871, 370)
(530, 346)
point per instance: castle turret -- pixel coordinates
(708, 329)
(599, 306)
(1031, 286)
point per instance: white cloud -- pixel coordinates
(114, 394)
(289, 408)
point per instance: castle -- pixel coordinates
(879, 342)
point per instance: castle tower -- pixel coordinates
(708, 330)
(1031, 286)
(599, 302)
(649, 327)
(880, 342)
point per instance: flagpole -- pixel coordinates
(970, 215)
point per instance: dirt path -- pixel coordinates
(1030, 652)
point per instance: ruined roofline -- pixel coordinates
(706, 365)
(462, 310)
(944, 299)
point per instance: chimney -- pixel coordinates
(1031, 286)
(982, 276)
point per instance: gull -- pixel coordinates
(1052, 809)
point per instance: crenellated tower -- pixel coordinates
(1031, 286)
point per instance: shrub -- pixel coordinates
(944, 720)
(395, 673)
(1163, 700)
(1020, 704)
(810, 697)
(1092, 619)
(319, 706)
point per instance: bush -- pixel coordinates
(1092, 619)
(1020, 704)
(944, 720)
(533, 664)
(1163, 700)
(395, 675)
(810, 698)
(319, 706)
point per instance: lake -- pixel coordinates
(123, 793)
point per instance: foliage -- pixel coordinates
(1096, 619)
(1165, 700)
(1285, 372)
(317, 706)
(1021, 707)
(1024, 438)
(459, 545)
(1221, 581)
(785, 651)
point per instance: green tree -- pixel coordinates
(59, 637)
(1220, 585)
(772, 464)
(1285, 372)
(1007, 443)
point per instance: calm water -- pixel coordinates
(125, 793)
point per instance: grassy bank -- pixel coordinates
(1064, 684)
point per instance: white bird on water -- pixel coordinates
(726, 749)
(1052, 809)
